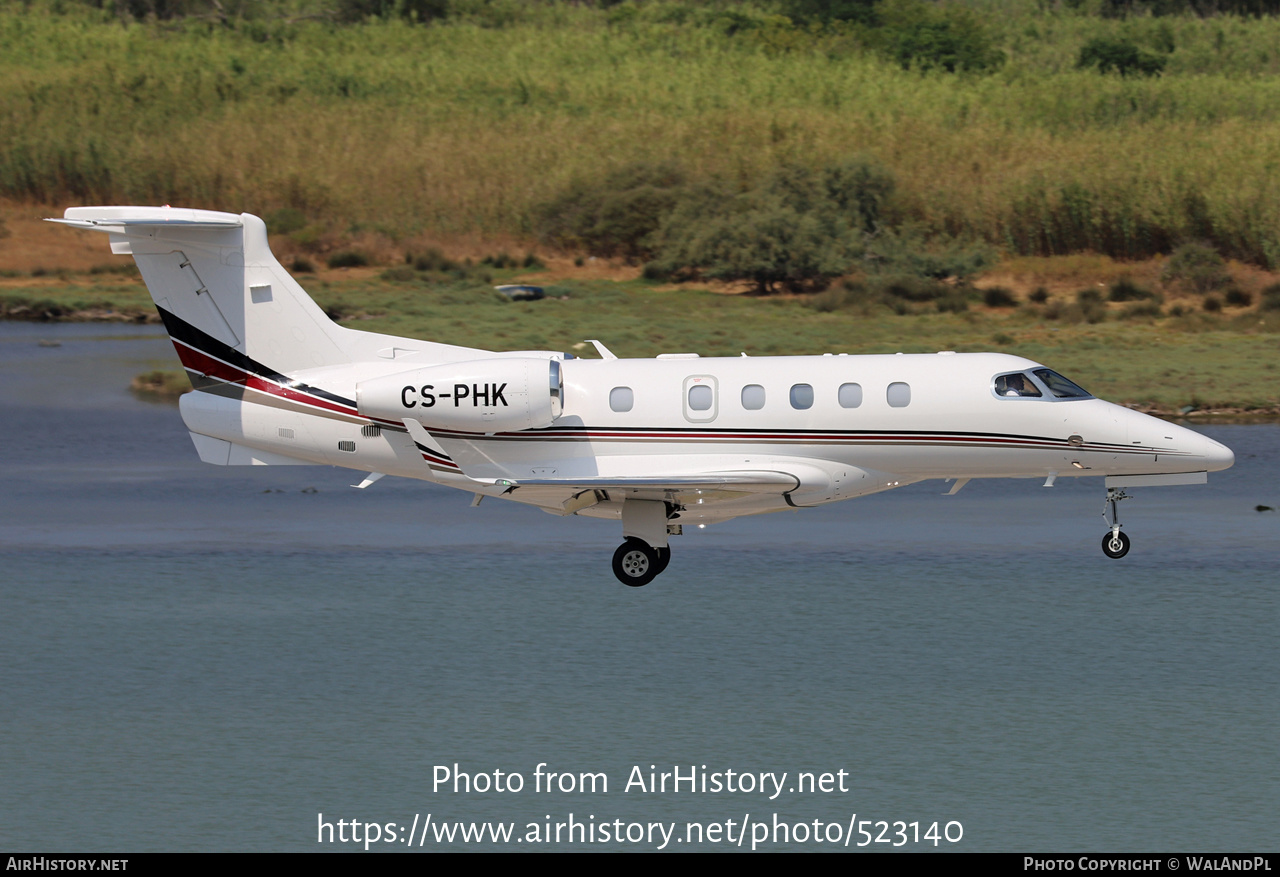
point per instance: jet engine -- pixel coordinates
(488, 395)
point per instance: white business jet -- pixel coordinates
(659, 444)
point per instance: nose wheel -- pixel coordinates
(636, 562)
(1114, 544)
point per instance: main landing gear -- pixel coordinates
(644, 553)
(1114, 544)
(636, 562)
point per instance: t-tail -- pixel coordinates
(221, 293)
(247, 332)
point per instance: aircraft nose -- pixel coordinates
(1218, 456)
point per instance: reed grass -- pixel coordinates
(456, 127)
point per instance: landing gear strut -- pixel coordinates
(645, 522)
(1114, 544)
(636, 562)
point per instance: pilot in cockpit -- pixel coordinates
(1015, 385)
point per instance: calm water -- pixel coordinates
(205, 659)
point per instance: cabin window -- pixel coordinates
(1015, 385)
(700, 398)
(753, 397)
(621, 399)
(802, 396)
(850, 395)
(898, 395)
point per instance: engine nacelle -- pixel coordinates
(487, 395)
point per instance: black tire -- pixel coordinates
(1116, 546)
(635, 563)
(664, 557)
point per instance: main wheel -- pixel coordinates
(635, 563)
(1115, 545)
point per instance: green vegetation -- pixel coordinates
(1197, 267)
(796, 230)
(877, 154)
(348, 259)
(1120, 56)
(1125, 289)
(471, 117)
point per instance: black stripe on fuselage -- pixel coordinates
(180, 330)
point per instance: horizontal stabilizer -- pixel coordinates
(117, 219)
(224, 453)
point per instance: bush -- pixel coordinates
(797, 230)
(910, 287)
(907, 251)
(432, 260)
(502, 260)
(1040, 295)
(616, 216)
(1213, 304)
(1122, 56)
(348, 259)
(1125, 289)
(1238, 298)
(1142, 310)
(760, 239)
(1088, 308)
(999, 297)
(302, 265)
(1197, 267)
(929, 36)
(1270, 298)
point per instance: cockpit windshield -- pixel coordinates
(1016, 384)
(1060, 386)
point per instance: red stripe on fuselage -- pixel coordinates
(216, 368)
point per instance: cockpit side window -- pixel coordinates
(1060, 386)
(1016, 384)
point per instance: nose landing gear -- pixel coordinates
(1114, 544)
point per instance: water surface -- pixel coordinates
(203, 658)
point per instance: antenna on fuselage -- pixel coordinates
(605, 352)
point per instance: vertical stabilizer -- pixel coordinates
(218, 288)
